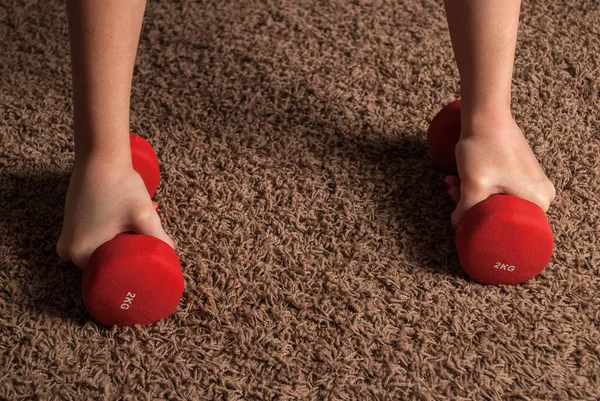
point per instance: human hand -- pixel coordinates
(105, 198)
(493, 157)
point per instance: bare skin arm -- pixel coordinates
(492, 155)
(104, 39)
(106, 196)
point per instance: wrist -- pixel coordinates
(103, 157)
(107, 147)
(479, 118)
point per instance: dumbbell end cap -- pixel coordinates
(145, 162)
(132, 279)
(443, 135)
(504, 240)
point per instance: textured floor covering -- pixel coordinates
(312, 228)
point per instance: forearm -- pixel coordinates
(104, 36)
(484, 37)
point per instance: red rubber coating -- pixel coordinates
(134, 279)
(501, 240)
(504, 240)
(443, 135)
(145, 162)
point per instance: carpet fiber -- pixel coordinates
(312, 227)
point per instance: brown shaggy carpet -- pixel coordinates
(312, 227)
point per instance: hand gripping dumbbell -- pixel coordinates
(502, 239)
(133, 278)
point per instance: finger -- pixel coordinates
(454, 193)
(78, 254)
(147, 222)
(538, 197)
(82, 258)
(61, 249)
(451, 181)
(469, 197)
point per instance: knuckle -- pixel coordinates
(542, 200)
(75, 252)
(61, 250)
(477, 184)
(144, 215)
(552, 193)
(545, 196)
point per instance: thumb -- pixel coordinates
(469, 197)
(147, 222)
(452, 183)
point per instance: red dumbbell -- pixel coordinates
(134, 278)
(501, 240)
